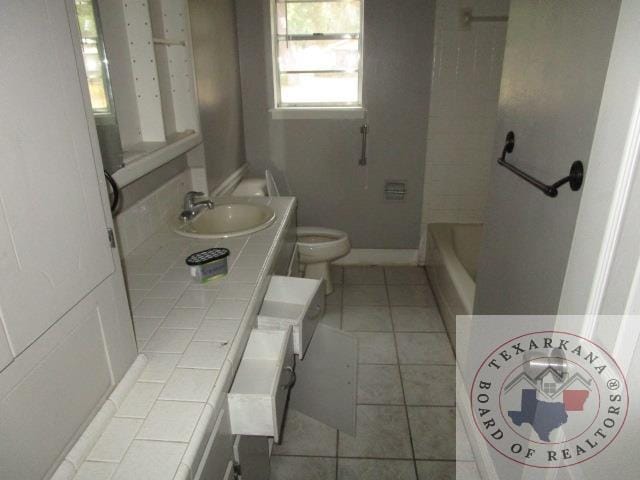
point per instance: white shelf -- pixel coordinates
(145, 157)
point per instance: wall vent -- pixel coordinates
(395, 190)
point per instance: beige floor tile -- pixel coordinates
(424, 348)
(429, 384)
(366, 319)
(332, 316)
(381, 432)
(416, 319)
(359, 295)
(376, 348)
(411, 295)
(405, 275)
(302, 435)
(363, 276)
(336, 296)
(302, 468)
(433, 432)
(369, 469)
(379, 384)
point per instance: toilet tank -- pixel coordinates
(251, 187)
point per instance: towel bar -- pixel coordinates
(574, 179)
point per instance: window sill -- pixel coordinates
(321, 113)
(148, 156)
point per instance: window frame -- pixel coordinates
(348, 107)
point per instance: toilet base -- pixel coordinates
(320, 271)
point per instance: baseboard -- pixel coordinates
(379, 256)
(229, 183)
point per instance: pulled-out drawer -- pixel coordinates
(258, 396)
(295, 302)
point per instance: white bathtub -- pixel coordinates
(451, 267)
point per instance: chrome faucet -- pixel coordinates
(191, 208)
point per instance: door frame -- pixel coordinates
(612, 188)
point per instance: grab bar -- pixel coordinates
(574, 179)
(364, 130)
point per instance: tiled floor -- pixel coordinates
(406, 422)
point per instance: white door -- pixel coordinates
(555, 64)
(53, 240)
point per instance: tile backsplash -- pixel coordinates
(142, 219)
(467, 68)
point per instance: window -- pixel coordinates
(317, 51)
(94, 58)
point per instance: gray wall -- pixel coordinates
(317, 160)
(215, 50)
(555, 63)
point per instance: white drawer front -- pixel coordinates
(296, 302)
(258, 396)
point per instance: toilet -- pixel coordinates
(317, 246)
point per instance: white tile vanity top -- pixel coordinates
(191, 337)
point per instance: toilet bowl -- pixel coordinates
(317, 246)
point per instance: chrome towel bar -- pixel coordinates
(574, 179)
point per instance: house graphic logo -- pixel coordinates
(549, 399)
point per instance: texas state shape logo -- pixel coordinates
(549, 399)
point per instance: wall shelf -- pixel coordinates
(145, 157)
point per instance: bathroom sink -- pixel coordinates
(228, 220)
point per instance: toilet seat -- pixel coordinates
(318, 244)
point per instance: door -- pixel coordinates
(555, 64)
(326, 387)
(53, 240)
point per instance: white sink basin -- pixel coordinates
(228, 220)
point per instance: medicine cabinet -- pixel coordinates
(139, 66)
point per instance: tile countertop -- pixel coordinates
(191, 336)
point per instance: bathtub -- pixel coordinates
(451, 267)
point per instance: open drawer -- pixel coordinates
(295, 302)
(261, 386)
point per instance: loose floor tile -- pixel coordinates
(365, 295)
(366, 319)
(416, 319)
(361, 469)
(411, 295)
(429, 384)
(302, 435)
(425, 348)
(405, 275)
(302, 468)
(363, 276)
(381, 432)
(376, 348)
(379, 384)
(433, 430)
